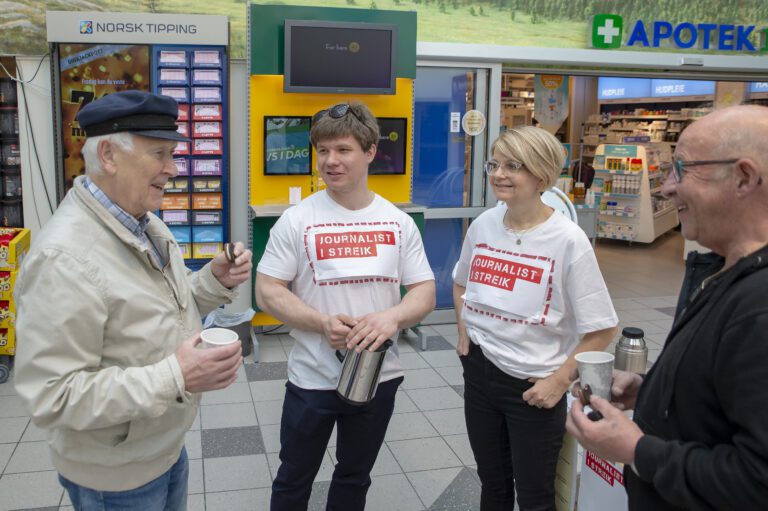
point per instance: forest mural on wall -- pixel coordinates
(543, 23)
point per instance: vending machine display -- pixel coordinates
(196, 204)
(187, 62)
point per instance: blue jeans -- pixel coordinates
(166, 493)
(305, 428)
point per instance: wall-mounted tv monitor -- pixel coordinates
(339, 57)
(287, 149)
(392, 149)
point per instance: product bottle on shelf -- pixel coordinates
(579, 192)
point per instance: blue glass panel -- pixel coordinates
(438, 173)
(442, 241)
(438, 157)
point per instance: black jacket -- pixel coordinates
(704, 404)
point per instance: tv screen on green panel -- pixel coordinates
(339, 57)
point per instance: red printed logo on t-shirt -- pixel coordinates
(351, 244)
(502, 274)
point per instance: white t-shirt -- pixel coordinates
(527, 305)
(342, 261)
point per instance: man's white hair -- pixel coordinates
(90, 150)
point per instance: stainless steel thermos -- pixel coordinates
(631, 351)
(360, 374)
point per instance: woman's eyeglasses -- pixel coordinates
(336, 112)
(509, 166)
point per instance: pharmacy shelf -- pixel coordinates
(643, 225)
(653, 117)
(625, 237)
(620, 172)
(622, 195)
(663, 212)
(618, 213)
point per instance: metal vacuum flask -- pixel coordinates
(360, 374)
(631, 351)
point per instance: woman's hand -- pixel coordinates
(462, 347)
(546, 392)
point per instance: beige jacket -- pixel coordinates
(97, 328)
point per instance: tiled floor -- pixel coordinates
(425, 462)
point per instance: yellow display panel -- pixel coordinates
(267, 98)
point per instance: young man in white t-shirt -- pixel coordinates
(344, 251)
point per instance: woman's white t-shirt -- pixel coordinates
(342, 261)
(528, 305)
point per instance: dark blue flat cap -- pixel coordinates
(132, 111)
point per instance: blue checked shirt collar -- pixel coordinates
(136, 226)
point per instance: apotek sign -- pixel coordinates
(609, 31)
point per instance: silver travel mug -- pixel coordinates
(360, 374)
(631, 351)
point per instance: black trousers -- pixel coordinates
(516, 445)
(305, 428)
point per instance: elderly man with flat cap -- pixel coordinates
(108, 318)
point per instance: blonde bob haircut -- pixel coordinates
(537, 149)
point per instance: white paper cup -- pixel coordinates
(596, 370)
(214, 337)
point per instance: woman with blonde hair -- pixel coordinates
(529, 296)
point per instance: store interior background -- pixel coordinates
(447, 176)
(426, 461)
(451, 78)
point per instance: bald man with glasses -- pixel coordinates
(699, 435)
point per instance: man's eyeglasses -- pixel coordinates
(336, 112)
(678, 167)
(509, 166)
